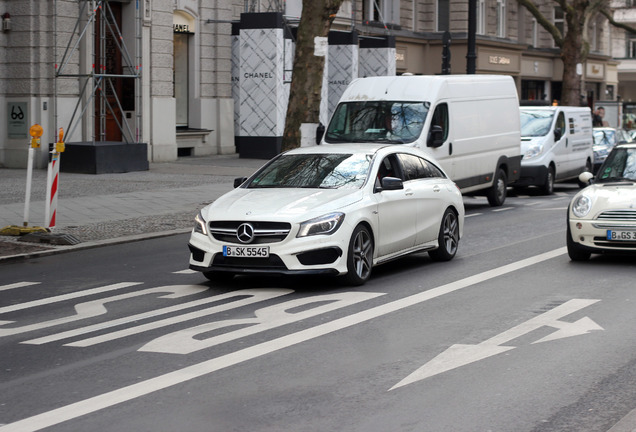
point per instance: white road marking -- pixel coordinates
(187, 271)
(253, 296)
(17, 285)
(84, 293)
(143, 388)
(503, 209)
(97, 307)
(462, 354)
(472, 214)
(190, 340)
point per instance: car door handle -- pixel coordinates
(408, 192)
(436, 188)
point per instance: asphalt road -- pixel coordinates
(509, 336)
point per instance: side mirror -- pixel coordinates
(392, 183)
(586, 177)
(558, 133)
(320, 131)
(239, 181)
(435, 137)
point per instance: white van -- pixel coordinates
(556, 142)
(469, 123)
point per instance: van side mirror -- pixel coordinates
(239, 181)
(320, 131)
(435, 137)
(558, 133)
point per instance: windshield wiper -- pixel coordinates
(616, 179)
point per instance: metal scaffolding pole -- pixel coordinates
(103, 98)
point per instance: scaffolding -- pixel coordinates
(98, 32)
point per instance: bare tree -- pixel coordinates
(574, 44)
(306, 84)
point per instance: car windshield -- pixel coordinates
(604, 137)
(330, 171)
(377, 121)
(619, 165)
(535, 123)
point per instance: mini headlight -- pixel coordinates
(327, 224)
(199, 225)
(581, 206)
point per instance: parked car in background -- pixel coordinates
(556, 143)
(605, 138)
(335, 210)
(602, 217)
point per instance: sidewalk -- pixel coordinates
(106, 208)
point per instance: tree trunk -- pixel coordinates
(306, 84)
(573, 52)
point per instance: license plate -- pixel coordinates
(246, 251)
(621, 235)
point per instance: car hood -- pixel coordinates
(287, 203)
(608, 196)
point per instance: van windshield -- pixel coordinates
(535, 123)
(377, 121)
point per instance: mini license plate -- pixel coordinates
(246, 251)
(621, 235)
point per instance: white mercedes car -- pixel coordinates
(602, 217)
(337, 210)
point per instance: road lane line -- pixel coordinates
(17, 285)
(106, 400)
(84, 293)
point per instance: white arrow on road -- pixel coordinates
(461, 355)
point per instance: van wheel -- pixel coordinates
(497, 193)
(448, 238)
(359, 256)
(548, 186)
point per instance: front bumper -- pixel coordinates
(316, 255)
(592, 235)
(532, 175)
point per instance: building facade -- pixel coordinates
(184, 76)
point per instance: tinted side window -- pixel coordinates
(412, 167)
(440, 118)
(432, 170)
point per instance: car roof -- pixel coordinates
(366, 148)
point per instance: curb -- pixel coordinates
(94, 244)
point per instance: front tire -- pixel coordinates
(497, 193)
(359, 256)
(448, 238)
(548, 185)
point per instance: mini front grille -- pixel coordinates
(626, 215)
(264, 232)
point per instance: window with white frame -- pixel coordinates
(558, 20)
(481, 17)
(631, 48)
(443, 15)
(384, 11)
(501, 18)
(535, 32)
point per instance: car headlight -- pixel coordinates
(581, 206)
(533, 151)
(199, 224)
(327, 224)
